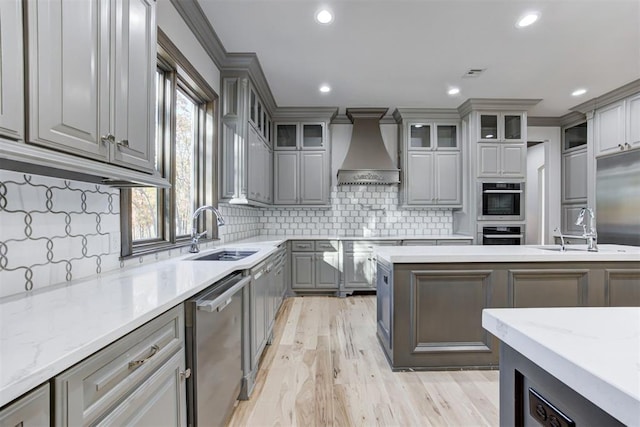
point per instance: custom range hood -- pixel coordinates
(367, 161)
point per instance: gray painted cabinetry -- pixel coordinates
(429, 315)
(139, 379)
(31, 410)
(259, 168)
(302, 157)
(574, 176)
(501, 160)
(617, 126)
(430, 156)
(360, 264)
(110, 61)
(11, 70)
(315, 265)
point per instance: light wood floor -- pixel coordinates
(326, 368)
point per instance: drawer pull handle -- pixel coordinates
(385, 279)
(123, 143)
(136, 363)
(185, 374)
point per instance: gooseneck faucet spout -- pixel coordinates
(195, 236)
(592, 235)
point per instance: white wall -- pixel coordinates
(550, 135)
(535, 196)
(179, 33)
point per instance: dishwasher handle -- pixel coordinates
(219, 303)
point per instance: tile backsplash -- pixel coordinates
(53, 231)
(362, 211)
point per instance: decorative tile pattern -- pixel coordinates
(241, 222)
(358, 210)
(53, 230)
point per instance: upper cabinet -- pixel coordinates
(501, 127)
(11, 70)
(259, 117)
(91, 79)
(574, 137)
(430, 157)
(302, 157)
(617, 126)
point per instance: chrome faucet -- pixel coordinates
(592, 235)
(195, 236)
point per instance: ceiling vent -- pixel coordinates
(474, 72)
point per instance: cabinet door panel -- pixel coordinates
(254, 165)
(134, 70)
(358, 272)
(419, 178)
(285, 177)
(513, 160)
(11, 70)
(68, 75)
(258, 315)
(609, 128)
(448, 178)
(559, 288)
(488, 160)
(302, 270)
(574, 176)
(327, 270)
(633, 120)
(313, 186)
(31, 410)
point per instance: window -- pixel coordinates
(155, 219)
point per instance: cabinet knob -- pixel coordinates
(621, 146)
(627, 145)
(123, 143)
(185, 374)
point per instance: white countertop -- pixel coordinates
(44, 333)
(346, 238)
(593, 350)
(507, 253)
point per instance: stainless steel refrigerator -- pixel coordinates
(618, 198)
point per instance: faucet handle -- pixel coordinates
(199, 235)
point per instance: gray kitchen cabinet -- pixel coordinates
(110, 59)
(259, 168)
(501, 127)
(259, 293)
(617, 126)
(359, 264)
(569, 214)
(302, 157)
(315, 265)
(31, 410)
(501, 160)
(140, 375)
(11, 70)
(430, 158)
(574, 176)
(301, 178)
(384, 306)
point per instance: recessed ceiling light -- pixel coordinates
(325, 88)
(579, 92)
(324, 16)
(453, 91)
(527, 19)
(418, 125)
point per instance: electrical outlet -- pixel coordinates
(114, 242)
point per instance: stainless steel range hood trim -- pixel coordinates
(368, 176)
(367, 161)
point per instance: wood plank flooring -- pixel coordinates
(326, 368)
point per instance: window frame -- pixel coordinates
(179, 74)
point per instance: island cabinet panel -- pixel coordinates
(521, 380)
(548, 288)
(430, 315)
(31, 410)
(622, 288)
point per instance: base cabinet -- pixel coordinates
(315, 265)
(429, 315)
(31, 410)
(139, 378)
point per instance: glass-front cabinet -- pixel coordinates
(501, 127)
(574, 136)
(430, 136)
(419, 136)
(300, 136)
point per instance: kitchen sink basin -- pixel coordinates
(558, 249)
(224, 255)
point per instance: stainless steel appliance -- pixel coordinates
(618, 198)
(214, 351)
(501, 201)
(501, 235)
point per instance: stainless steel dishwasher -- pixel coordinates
(214, 351)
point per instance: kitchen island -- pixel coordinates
(430, 299)
(568, 364)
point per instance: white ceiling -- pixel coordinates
(407, 53)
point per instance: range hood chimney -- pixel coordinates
(367, 161)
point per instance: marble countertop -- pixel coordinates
(346, 238)
(593, 350)
(44, 333)
(507, 253)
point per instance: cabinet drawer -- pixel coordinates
(327, 245)
(367, 245)
(453, 242)
(88, 390)
(418, 242)
(31, 410)
(302, 245)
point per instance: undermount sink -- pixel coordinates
(224, 255)
(559, 249)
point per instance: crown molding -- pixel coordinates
(622, 92)
(400, 114)
(543, 121)
(572, 118)
(495, 104)
(303, 113)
